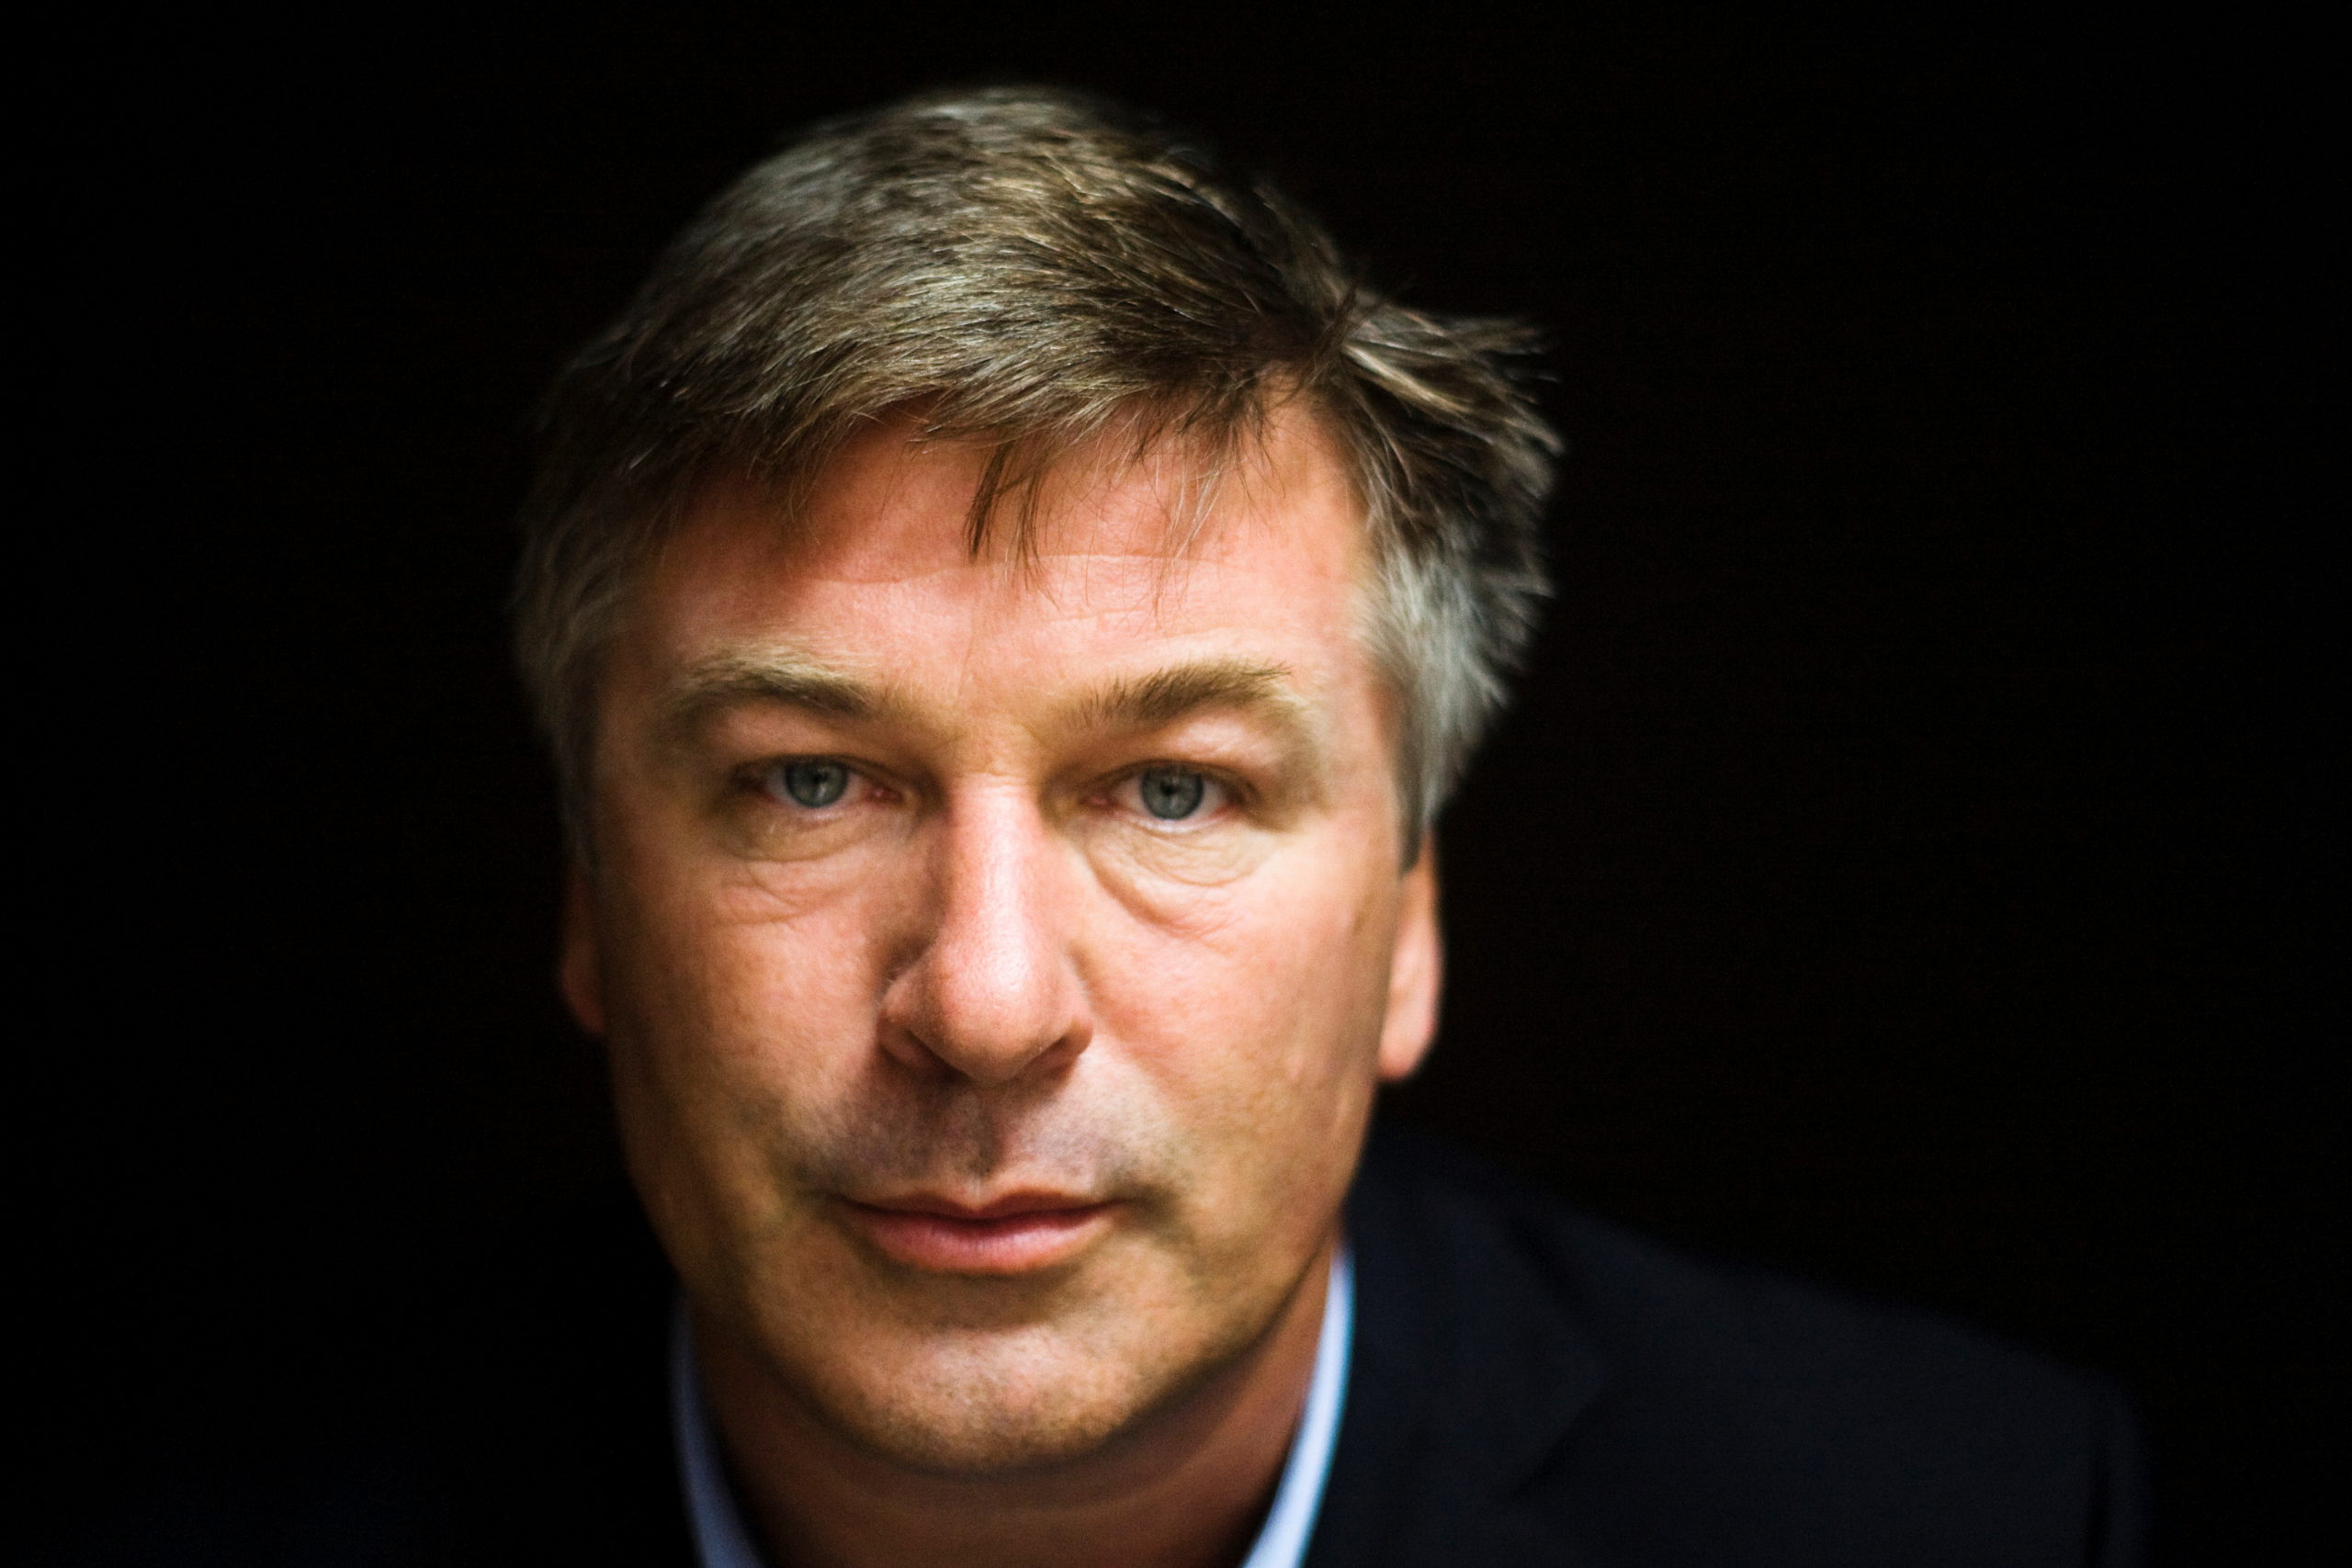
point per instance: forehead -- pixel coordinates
(1114, 553)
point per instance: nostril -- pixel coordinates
(985, 1007)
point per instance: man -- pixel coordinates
(1008, 603)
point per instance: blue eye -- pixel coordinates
(812, 782)
(1170, 793)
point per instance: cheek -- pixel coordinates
(1260, 1041)
(735, 1046)
(721, 948)
(1261, 1006)
(736, 1015)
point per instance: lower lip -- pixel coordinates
(1012, 1244)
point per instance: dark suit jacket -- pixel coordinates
(1533, 1387)
(1529, 1386)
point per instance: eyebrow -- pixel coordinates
(1141, 702)
(711, 686)
(1147, 702)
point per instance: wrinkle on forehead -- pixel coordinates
(1175, 498)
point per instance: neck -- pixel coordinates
(1186, 1486)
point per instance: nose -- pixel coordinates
(990, 990)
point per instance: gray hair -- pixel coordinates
(1033, 268)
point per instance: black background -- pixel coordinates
(1902, 866)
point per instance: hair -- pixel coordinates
(1032, 269)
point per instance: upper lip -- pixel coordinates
(999, 1208)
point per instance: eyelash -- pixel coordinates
(766, 779)
(1223, 792)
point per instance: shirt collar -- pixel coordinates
(722, 1541)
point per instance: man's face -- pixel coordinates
(998, 955)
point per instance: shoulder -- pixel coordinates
(1662, 1407)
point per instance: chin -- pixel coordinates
(979, 1413)
(976, 1403)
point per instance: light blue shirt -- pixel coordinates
(721, 1541)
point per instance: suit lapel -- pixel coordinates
(1465, 1376)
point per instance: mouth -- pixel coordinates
(1020, 1232)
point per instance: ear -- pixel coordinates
(578, 974)
(1416, 971)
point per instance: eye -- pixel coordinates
(811, 781)
(1171, 794)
